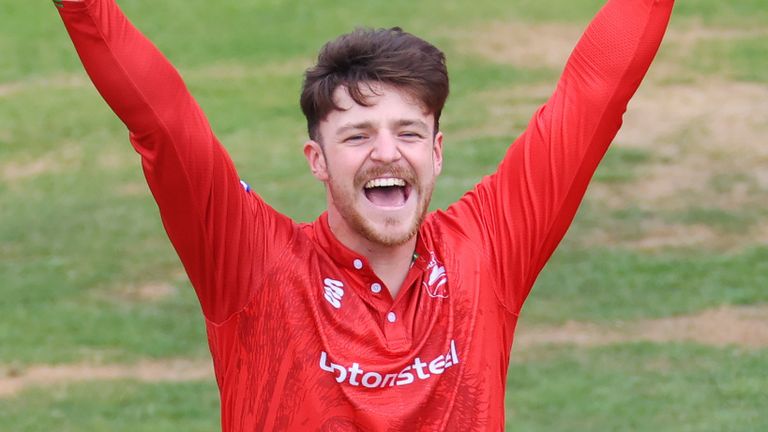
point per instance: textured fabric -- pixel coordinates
(303, 334)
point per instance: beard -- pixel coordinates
(389, 234)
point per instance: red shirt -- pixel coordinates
(303, 334)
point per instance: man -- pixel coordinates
(378, 315)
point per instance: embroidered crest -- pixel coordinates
(436, 283)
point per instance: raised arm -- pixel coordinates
(210, 218)
(522, 211)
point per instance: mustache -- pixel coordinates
(389, 170)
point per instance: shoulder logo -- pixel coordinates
(436, 282)
(333, 291)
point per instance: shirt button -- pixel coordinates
(391, 317)
(376, 288)
(358, 264)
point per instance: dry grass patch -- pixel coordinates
(548, 45)
(681, 40)
(659, 235)
(744, 326)
(707, 147)
(238, 71)
(698, 134)
(715, 119)
(133, 189)
(64, 81)
(146, 293)
(15, 380)
(118, 156)
(503, 108)
(519, 43)
(66, 157)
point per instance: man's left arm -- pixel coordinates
(521, 212)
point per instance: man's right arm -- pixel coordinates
(222, 233)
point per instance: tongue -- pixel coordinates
(393, 196)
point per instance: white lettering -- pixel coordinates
(331, 367)
(391, 378)
(356, 376)
(419, 366)
(376, 380)
(405, 377)
(354, 371)
(437, 366)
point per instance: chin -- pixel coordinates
(385, 226)
(391, 230)
(393, 233)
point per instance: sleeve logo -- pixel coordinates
(333, 291)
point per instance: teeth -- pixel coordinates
(384, 182)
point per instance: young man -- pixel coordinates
(378, 316)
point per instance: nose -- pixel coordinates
(386, 148)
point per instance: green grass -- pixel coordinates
(613, 284)
(77, 225)
(639, 387)
(744, 13)
(619, 164)
(114, 407)
(744, 59)
(721, 219)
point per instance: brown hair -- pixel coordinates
(366, 56)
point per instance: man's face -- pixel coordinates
(379, 164)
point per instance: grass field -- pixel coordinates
(652, 315)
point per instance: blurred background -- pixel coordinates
(652, 315)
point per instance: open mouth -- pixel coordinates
(387, 192)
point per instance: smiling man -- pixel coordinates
(379, 163)
(377, 316)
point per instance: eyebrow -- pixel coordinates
(370, 125)
(354, 126)
(408, 122)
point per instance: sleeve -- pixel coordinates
(520, 213)
(223, 233)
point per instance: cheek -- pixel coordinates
(342, 173)
(345, 165)
(428, 164)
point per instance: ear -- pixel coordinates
(313, 151)
(437, 154)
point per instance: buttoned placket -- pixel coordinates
(393, 327)
(391, 312)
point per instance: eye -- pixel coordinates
(355, 138)
(410, 135)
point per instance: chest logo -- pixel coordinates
(419, 369)
(436, 283)
(333, 291)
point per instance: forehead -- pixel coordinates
(386, 104)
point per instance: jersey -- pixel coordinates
(303, 334)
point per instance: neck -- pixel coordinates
(390, 263)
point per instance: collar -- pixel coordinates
(348, 259)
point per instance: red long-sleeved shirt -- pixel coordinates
(302, 335)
